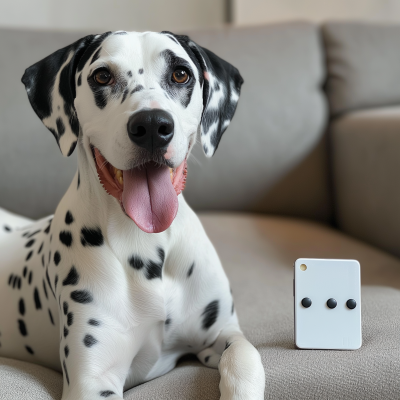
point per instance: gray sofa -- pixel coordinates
(308, 168)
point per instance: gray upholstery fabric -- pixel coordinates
(272, 150)
(34, 173)
(366, 164)
(363, 64)
(258, 255)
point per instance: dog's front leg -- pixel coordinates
(242, 373)
(95, 351)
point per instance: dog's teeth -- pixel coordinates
(121, 180)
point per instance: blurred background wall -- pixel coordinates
(102, 15)
(249, 12)
(180, 15)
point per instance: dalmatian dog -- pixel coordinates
(122, 281)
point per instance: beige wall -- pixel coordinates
(103, 15)
(248, 12)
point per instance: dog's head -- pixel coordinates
(136, 101)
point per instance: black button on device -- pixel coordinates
(331, 303)
(306, 302)
(351, 303)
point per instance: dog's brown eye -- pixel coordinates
(103, 77)
(180, 76)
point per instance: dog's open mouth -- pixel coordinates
(148, 194)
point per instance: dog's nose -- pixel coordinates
(151, 129)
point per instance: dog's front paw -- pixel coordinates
(242, 373)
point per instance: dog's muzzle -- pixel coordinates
(151, 129)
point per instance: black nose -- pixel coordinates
(151, 129)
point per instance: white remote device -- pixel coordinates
(327, 304)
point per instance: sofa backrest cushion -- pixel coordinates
(363, 65)
(271, 158)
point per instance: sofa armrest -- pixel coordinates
(366, 175)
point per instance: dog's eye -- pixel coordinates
(103, 77)
(180, 76)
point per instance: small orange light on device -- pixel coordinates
(303, 267)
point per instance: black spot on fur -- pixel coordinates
(89, 340)
(66, 351)
(81, 296)
(19, 283)
(22, 328)
(69, 219)
(106, 393)
(72, 278)
(29, 255)
(30, 243)
(130, 74)
(10, 279)
(154, 270)
(51, 317)
(60, 126)
(25, 270)
(47, 230)
(65, 307)
(25, 234)
(29, 350)
(206, 359)
(79, 180)
(121, 33)
(49, 255)
(65, 371)
(30, 277)
(21, 307)
(66, 238)
(55, 283)
(43, 260)
(141, 71)
(66, 331)
(137, 88)
(48, 282)
(168, 321)
(96, 56)
(71, 149)
(70, 318)
(210, 314)
(227, 344)
(233, 308)
(36, 298)
(6, 228)
(136, 262)
(33, 234)
(40, 248)
(91, 237)
(93, 322)
(45, 289)
(126, 91)
(190, 270)
(80, 80)
(15, 282)
(57, 258)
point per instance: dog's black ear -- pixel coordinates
(51, 88)
(221, 83)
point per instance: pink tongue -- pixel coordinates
(149, 197)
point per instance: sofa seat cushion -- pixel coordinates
(258, 254)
